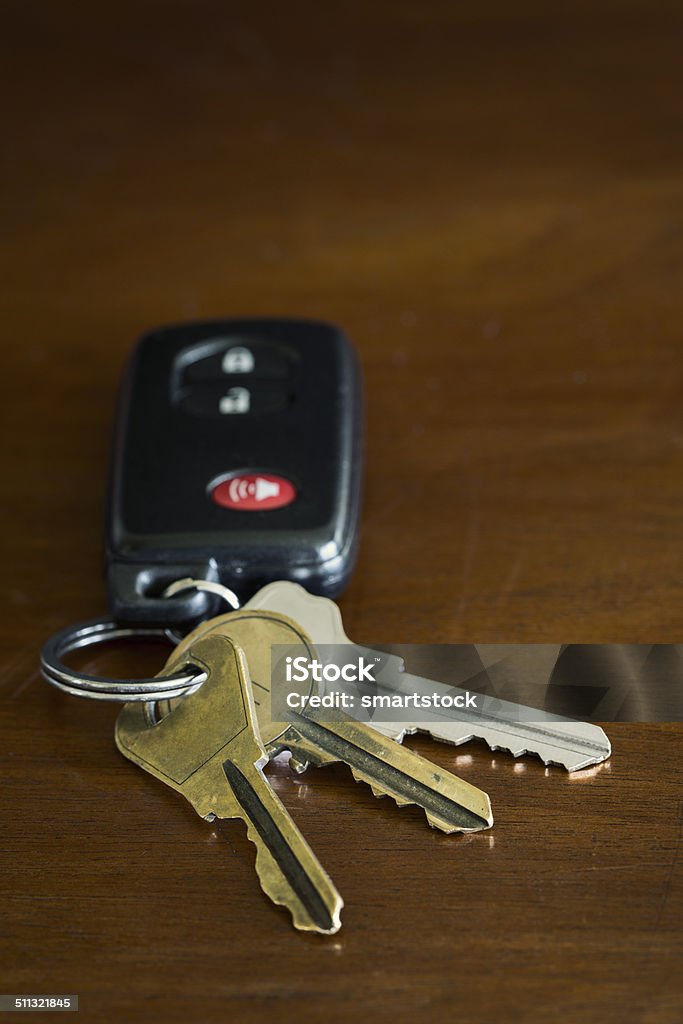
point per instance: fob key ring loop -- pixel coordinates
(82, 684)
(96, 631)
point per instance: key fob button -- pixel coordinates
(238, 359)
(220, 358)
(235, 397)
(253, 492)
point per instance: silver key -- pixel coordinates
(573, 745)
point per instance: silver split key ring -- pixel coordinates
(86, 634)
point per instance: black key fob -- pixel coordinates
(237, 458)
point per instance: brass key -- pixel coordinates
(208, 748)
(450, 803)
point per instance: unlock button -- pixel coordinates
(235, 398)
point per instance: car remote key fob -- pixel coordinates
(237, 458)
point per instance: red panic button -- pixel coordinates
(253, 492)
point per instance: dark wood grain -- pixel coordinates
(488, 199)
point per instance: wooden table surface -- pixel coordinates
(488, 199)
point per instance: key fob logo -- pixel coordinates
(253, 492)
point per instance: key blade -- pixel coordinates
(450, 803)
(288, 871)
(572, 745)
(208, 748)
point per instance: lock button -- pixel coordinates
(238, 359)
(223, 357)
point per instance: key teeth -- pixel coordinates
(523, 751)
(518, 752)
(569, 764)
(434, 822)
(441, 826)
(380, 794)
